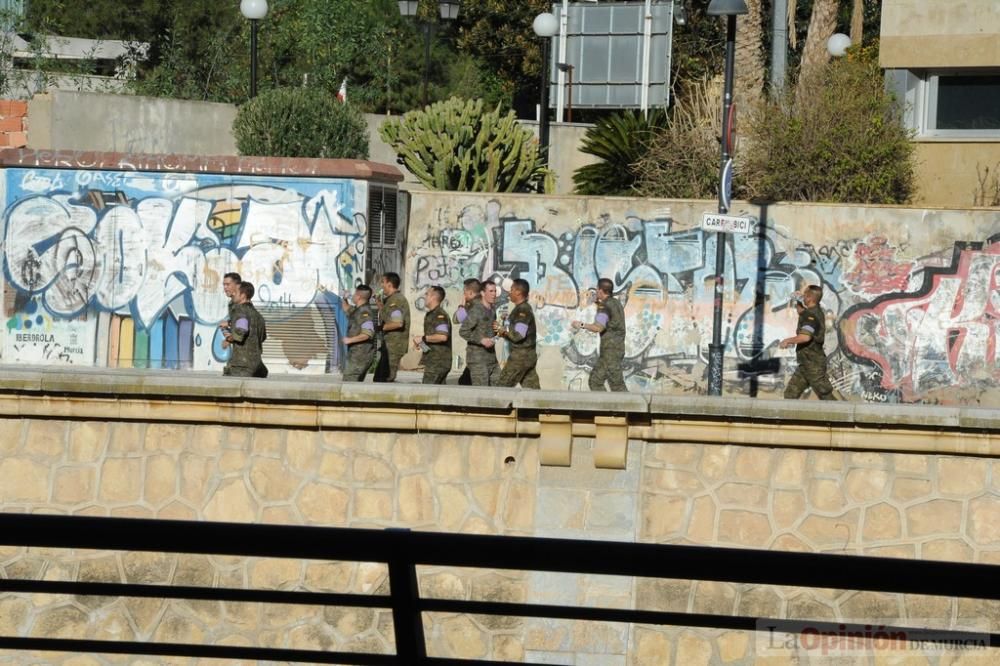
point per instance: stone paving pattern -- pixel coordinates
(889, 504)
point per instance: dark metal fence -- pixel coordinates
(403, 551)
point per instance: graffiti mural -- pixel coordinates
(942, 335)
(898, 328)
(124, 269)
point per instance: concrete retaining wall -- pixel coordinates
(910, 294)
(893, 481)
(67, 120)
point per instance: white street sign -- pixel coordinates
(727, 224)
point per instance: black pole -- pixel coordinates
(427, 57)
(716, 351)
(543, 111)
(253, 58)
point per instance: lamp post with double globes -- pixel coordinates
(254, 10)
(449, 12)
(546, 26)
(716, 351)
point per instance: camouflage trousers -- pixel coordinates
(359, 361)
(608, 369)
(436, 368)
(520, 369)
(811, 373)
(391, 353)
(483, 367)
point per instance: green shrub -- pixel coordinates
(456, 145)
(620, 141)
(300, 122)
(840, 139)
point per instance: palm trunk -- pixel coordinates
(822, 23)
(858, 22)
(749, 83)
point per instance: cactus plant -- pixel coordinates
(457, 145)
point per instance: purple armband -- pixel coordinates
(441, 328)
(521, 329)
(368, 326)
(396, 315)
(243, 323)
(461, 314)
(601, 319)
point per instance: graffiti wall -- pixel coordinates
(124, 269)
(910, 296)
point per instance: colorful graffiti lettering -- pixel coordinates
(899, 346)
(940, 336)
(134, 274)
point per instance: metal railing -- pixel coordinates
(403, 551)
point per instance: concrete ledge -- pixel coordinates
(588, 401)
(813, 411)
(218, 164)
(324, 402)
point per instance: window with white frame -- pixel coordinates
(957, 104)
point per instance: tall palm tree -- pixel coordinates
(749, 81)
(858, 22)
(822, 23)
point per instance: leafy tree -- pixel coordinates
(300, 122)
(839, 138)
(499, 33)
(620, 141)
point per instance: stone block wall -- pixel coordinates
(893, 492)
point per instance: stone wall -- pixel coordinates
(71, 120)
(890, 481)
(908, 292)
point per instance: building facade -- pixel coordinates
(943, 61)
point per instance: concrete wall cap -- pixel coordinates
(802, 410)
(475, 396)
(925, 416)
(389, 394)
(615, 403)
(289, 390)
(699, 405)
(299, 167)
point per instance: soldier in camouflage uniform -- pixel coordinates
(477, 330)
(230, 287)
(246, 336)
(610, 324)
(436, 340)
(521, 334)
(470, 293)
(360, 338)
(395, 318)
(808, 340)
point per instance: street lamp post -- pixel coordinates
(568, 70)
(449, 12)
(716, 351)
(254, 10)
(546, 26)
